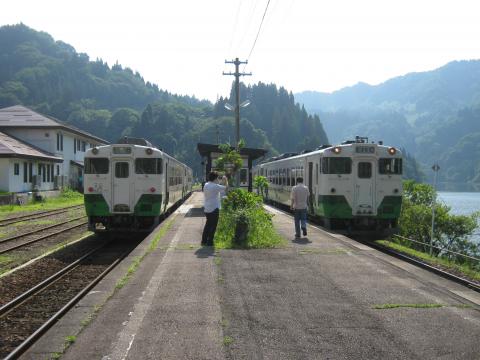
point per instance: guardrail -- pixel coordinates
(441, 249)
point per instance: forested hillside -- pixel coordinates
(111, 101)
(434, 115)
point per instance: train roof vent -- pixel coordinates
(305, 151)
(286, 155)
(134, 141)
(321, 147)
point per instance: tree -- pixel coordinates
(451, 231)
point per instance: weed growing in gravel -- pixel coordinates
(227, 340)
(416, 306)
(70, 339)
(131, 270)
(136, 261)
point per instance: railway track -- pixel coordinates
(27, 317)
(460, 280)
(37, 215)
(30, 238)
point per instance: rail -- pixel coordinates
(441, 249)
(37, 215)
(41, 238)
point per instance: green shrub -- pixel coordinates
(245, 208)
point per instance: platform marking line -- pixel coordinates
(127, 335)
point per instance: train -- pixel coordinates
(131, 185)
(355, 187)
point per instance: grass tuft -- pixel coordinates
(137, 260)
(227, 340)
(416, 306)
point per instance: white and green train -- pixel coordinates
(355, 186)
(131, 185)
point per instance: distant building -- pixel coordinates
(38, 152)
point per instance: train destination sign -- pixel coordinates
(365, 149)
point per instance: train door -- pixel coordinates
(167, 185)
(121, 186)
(310, 186)
(364, 199)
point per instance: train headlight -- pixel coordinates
(152, 189)
(94, 151)
(149, 151)
(337, 149)
(90, 189)
(392, 151)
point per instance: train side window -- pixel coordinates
(364, 170)
(148, 166)
(390, 166)
(340, 165)
(96, 165)
(121, 170)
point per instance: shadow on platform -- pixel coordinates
(302, 241)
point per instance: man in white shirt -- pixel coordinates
(299, 204)
(212, 192)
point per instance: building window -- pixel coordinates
(44, 175)
(25, 178)
(48, 172)
(30, 172)
(84, 146)
(58, 170)
(52, 175)
(74, 146)
(59, 142)
(78, 145)
(16, 169)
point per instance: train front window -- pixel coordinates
(364, 170)
(121, 170)
(148, 166)
(337, 165)
(96, 165)
(390, 166)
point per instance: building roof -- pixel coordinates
(13, 147)
(19, 116)
(206, 149)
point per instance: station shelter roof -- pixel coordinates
(252, 153)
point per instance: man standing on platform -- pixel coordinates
(299, 198)
(212, 192)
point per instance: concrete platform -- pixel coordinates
(314, 299)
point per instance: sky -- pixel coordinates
(181, 45)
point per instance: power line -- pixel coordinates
(234, 26)
(259, 29)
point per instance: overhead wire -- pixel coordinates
(234, 27)
(259, 29)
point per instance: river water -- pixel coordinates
(462, 203)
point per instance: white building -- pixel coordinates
(52, 150)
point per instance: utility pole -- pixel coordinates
(435, 169)
(237, 75)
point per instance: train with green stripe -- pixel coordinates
(131, 185)
(355, 186)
